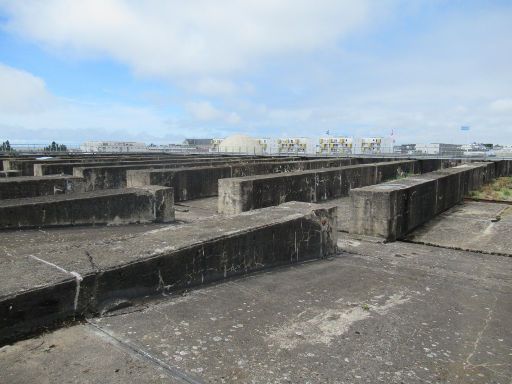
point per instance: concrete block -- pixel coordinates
(10, 173)
(245, 193)
(92, 278)
(125, 206)
(30, 186)
(198, 182)
(393, 209)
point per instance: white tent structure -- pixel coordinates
(241, 144)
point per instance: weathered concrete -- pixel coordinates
(89, 278)
(30, 186)
(110, 177)
(472, 226)
(193, 183)
(252, 192)
(26, 164)
(134, 205)
(57, 167)
(9, 173)
(391, 313)
(393, 209)
(79, 354)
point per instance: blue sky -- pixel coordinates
(161, 70)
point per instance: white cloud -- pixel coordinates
(205, 111)
(502, 105)
(168, 38)
(22, 92)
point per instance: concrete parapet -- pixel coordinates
(30, 186)
(193, 183)
(94, 278)
(252, 192)
(147, 204)
(392, 209)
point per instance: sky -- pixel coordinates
(162, 70)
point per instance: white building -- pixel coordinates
(439, 149)
(294, 145)
(372, 145)
(113, 146)
(334, 145)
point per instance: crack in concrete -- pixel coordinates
(467, 362)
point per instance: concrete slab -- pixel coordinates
(393, 313)
(475, 226)
(77, 355)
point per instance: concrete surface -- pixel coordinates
(64, 280)
(119, 206)
(474, 226)
(391, 313)
(76, 355)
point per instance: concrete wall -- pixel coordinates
(141, 265)
(146, 204)
(29, 186)
(10, 173)
(111, 177)
(26, 164)
(252, 192)
(194, 183)
(391, 210)
(58, 167)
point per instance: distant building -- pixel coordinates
(372, 146)
(113, 146)
(293, 145)
(199, 142)
(334, 145)
(440, 149)
(404, 149)
(241, 144)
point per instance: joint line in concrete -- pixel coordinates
(172, 371)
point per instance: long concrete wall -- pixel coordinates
(29, 186)
(135, 205)
(194, 183)
(392, 209)
(26, 164)
(111, 177)
(66, 168)
(91, 278)
(252, 192)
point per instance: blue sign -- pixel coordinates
(464, 128)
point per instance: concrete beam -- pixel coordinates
(135, 205)
(111, 177)
(194, 183)
(391, 210)
(66, 167)
(30, 186)
(92, 278)
(242, 194)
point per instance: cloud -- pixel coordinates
(168, 38)
(502, 105)
(205, 111)
(22, 92)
